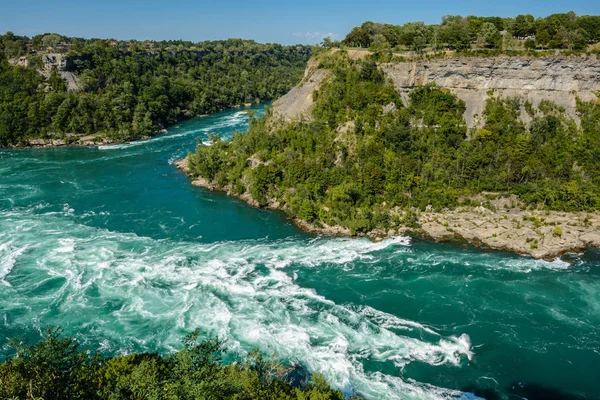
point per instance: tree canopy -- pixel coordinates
(131, 89)
(557, 31)
(366, 158)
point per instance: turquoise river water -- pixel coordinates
(116, 246)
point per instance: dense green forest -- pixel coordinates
(556, 31)
(132, 89)
(355, 165)
(56, 368)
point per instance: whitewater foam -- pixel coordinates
(237, 290)
(370, 316)
(119, 146)
(9, 254)
(222, 125)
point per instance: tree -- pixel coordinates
(414, 36)
(51, 40)
(56, 368)
(358, 37)
(542, 38)
(419, 43)
(392, 34)
(12, 45)
(455, 32)
(497, 21)
(508, 42)
(379, 42)
(56, 82)
(523, 26)
(571, 38)
(590, 27)
(434, 34)
(530, 44)
(489, 35)
(326, 43)
(142, 121)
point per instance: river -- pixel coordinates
(115, 245)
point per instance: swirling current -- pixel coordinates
(113, 244)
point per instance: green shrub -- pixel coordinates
(56, 368)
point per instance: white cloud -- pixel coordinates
(315, 35)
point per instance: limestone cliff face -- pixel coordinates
(53, 61)
(298, 103)
(558, 79)
(61, 63)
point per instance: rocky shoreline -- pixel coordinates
(499, 223)
(80, 141)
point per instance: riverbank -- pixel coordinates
(498, 223)
(99, 139)
(80, 141)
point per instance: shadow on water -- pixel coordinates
(484, 393)
(533, 391)
(529, 391)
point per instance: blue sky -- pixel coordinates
(287, 22)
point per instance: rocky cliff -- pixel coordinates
(61, 63)
(298, 102)
(53, 61)
(498, 221)
(559, 79)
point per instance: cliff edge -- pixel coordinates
(365, 166)
(559, 79)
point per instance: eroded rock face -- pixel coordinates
(297, 104)
(558, 79)
(20, 61)
(54, 60)
(61, 63)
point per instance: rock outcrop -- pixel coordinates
(22, 61)
(76, 140)
(53, 61)
(559, 79)
(506, 224)
(297, 104)
(60, 62)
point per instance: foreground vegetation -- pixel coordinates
(366, 161)
(56, 368)
(132, 89)
(557, 31)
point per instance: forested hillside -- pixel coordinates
(366, 160)
(557, 31)
(132, 89)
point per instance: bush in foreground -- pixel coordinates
(56, 368)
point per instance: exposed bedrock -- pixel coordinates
(559, 79)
